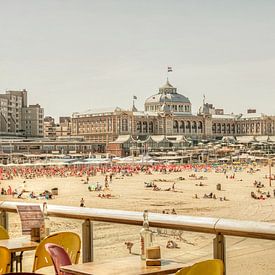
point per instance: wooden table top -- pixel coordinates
(18, 244)
(132, 265)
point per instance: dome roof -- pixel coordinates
(167, 93)
(161, 98)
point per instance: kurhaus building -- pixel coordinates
(167, 123)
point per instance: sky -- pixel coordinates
(73, 56)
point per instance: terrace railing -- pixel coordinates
(217, 226)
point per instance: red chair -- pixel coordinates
(59, 257)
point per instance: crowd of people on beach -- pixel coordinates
(259, 194)
(16, 193)
(8, 173)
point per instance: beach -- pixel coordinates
(248, 256)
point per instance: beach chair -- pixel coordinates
(209, 267)
(5, 259)
(59, 257)
(70, 241)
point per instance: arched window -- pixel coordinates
(139, 126)
(223, 128)
(214, 128)
(200, 127)
(144, 127)
(124, 126)
(151, 127)
(228, 128)
(188, 126)
(182, 127)
(194, 127)
(233, 128)
(176, 126)
(258, 126)
(219, 128)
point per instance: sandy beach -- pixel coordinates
(248, 256)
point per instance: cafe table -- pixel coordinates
(20, 245)
(132, 265)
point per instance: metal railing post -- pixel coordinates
(219, 249)
(87, 242)
(4, 221)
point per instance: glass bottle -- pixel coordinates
(46, 220)
(146, 235)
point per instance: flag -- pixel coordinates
(169, 69)
(134, 97)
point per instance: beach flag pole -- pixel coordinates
(169, 70)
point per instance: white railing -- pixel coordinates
(217, 226)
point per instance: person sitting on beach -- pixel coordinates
(253, 195)
(208, 196)
(32, 195)
(3, 191)
(156, 188)
(171, 244)
(98, 187)
(174, 212)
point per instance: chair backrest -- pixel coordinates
(59, 257)
(209, 267)
(5, 259)
(68, 240)
(3, 233)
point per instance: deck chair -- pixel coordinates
(68, 240)
(5, 259)
(59, 257)
(209, 267)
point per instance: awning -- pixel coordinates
(159, 138)
(246, 139)
(176, 139)
(272, 138)
(262, 138)
(122, 139)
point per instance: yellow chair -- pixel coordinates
(3, 233)
(209, 267)
(68, 240)
(5, 259)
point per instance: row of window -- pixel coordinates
(173, 107)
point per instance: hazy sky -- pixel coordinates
(78, 55)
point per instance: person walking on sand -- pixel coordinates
(82, 203)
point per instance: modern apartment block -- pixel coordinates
(54, 130)
(32, 121)
(19, 119)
